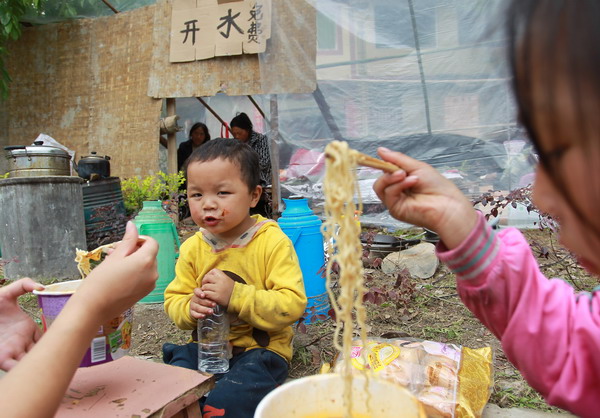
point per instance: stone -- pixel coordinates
(494, 411)
(420, 260)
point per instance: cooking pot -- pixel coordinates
(37, 160)
(94, 164)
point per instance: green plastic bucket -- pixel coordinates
(156, 223)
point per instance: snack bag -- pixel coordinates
(450, 380)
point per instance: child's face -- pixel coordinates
(575, 233)
(578, 169)
(219, 199)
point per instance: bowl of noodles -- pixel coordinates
(322, 396)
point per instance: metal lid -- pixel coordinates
(35, 149)
(94, 156)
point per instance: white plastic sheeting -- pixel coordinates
(426, 77)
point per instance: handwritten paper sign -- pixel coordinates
(202, 29)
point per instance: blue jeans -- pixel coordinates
(251, 376)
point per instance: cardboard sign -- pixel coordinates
(202, 29)
(259, 29)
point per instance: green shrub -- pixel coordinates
(159, 186)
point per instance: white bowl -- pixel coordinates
(321, 396)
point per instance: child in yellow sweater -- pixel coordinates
(243, 263)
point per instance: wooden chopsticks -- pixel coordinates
(367, 161)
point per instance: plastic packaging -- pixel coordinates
(450, 380)
(213, 342)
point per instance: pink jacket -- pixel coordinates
(549, 332)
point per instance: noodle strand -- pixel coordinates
(342, 233)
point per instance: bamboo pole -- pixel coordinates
(257, 106)
(274, 136)
(110, 6)
(326, 112)
(210, 109)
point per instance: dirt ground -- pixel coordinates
(433, 312)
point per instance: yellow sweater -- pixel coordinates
(272, 297)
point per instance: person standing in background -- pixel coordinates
(242, 130)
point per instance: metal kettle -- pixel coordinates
(94, 166)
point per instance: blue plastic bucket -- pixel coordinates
(303, 227)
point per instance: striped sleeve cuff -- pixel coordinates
(475, 254)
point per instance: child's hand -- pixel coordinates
(218, 287)
(420, 195)
(18, 332)
(200, 305)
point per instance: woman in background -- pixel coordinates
(242, 130)
(198, 135)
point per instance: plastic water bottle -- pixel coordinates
(213, 341)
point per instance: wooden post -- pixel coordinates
(274, 137)
(171, 141)
(172, 156)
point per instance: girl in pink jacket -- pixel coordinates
(548, 331)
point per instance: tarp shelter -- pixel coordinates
(427, 77)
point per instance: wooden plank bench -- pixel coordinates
(131, 387)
